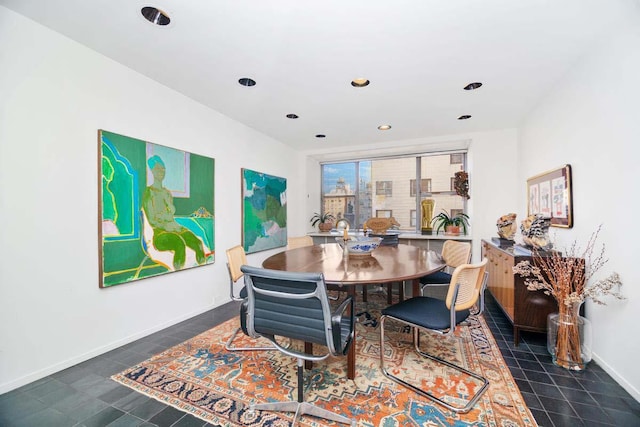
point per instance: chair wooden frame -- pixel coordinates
(454, 254)
(466, 288)
(299, 242)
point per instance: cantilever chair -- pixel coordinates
(299, 242)
(236, 258)
(284, 304)
(440, 316)
(454, 254)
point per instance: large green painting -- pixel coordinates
(264, 211)
(155, 209)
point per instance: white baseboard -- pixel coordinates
(42, 373)
(619, 379)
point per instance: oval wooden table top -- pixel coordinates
(385, 264)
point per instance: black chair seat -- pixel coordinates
(437, 278)
(426, 312)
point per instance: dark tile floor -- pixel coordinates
(85, 396)
(556, 396)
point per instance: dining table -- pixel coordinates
(386, 264)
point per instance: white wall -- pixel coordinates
(54, 96)
(591, 121)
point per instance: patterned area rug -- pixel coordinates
(200, 377)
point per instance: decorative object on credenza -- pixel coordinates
(379, 225)
(452, 225)
(324, 221)
(507, 226)
(461, 184)
(264, 211)
(566, 278)
(155, 209)
(535, 232)
(428, 206)
(549, 194)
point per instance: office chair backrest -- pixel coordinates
(299, 242)
(469, 278)
(287, 304)
(456, 253)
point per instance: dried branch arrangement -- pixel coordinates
(567, 278)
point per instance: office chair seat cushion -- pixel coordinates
(438, 278)
(345, 333)
(243, 293)
(429, 313)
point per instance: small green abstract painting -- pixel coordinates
(264, 211)
(156, 209)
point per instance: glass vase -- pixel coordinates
(569, 337)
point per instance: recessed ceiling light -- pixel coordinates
(292, 116)
(384, 127)
(360, 82)
(246, 81)
(472, 86)
(155, 16)
(321, 135)
(464, 117)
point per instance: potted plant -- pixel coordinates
(324, 221)
(451, 224)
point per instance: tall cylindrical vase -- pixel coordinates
(569, 337)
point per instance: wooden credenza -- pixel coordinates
(526, 310)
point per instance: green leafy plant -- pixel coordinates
(443, 220)
(321, 218)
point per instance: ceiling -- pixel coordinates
(303, 54)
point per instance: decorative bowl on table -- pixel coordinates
(360, 245)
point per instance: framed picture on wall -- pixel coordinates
(264, 211)
(549, 194)
(155, 209)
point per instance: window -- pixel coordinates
(425, 186)
(455, 212)
(360, 189)
(452, 184)
(384, 188)
(456, 159)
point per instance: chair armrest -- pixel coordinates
(338, 325)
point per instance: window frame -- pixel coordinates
(365, 188)
(412, 187)
(384, 188)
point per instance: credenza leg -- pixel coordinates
(516, 335)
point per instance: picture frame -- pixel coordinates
(550, 195)
(264, 211)
(155, 209)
